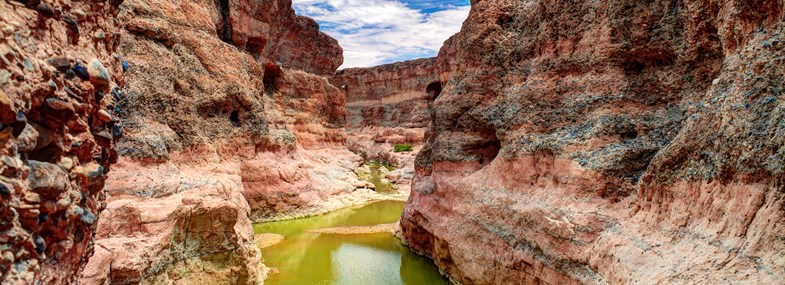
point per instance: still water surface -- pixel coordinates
(368, 259)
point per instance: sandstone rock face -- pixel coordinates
(606, 142)
(228, 120)
(55, 152)
(388, 105)
(391, 95)
(270, 29)
(198, 232)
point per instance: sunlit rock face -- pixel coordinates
(606, 142)
(59, 63)
(389, 105)
(390, 95)
(229, 120)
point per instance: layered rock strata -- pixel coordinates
(229, 120)
(606, 142)
(59, 67)
(388, 105)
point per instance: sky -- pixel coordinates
(374, 32)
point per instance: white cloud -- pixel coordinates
(374, 32)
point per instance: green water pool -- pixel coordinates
(368, 259)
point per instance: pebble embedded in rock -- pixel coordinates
(69, 74)
(40, 243)
(45, 10)
(82, 72)
(28, 64)
(104, 116)
(42, 218)
(75, 211)
(98, 74)
(4, 191)
(6, 108)
(87, 217)
(104, 135)
(95, 173)
(72, 24)
(125, 65)
(117, 131)
(79, 14)
(58, 104)
(99, 95)
(8, 256)
(27, 140)
(116, 94)
(47, 179)
(72, 94)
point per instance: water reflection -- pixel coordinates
(309, 258)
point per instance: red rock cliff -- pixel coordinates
(58, 68)
(390, 95)
(388, 105)
(607, 142)
(228, 120)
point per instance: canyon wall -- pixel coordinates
(390, 95)
(606, 142)
(389, 105)
(229, 119)
(58, 67)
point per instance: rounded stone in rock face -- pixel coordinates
(40, 243)
(45, 10)
(117, 131)
(116, 94)
(82, 72)
(87, 217)
(58, 104)
(98, 73)
(6, 108)
(4, 191)
(104, 116)
(62, 64)
(69, 74)
(125, 65)
(99, 95)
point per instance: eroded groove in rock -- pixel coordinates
(224, 25)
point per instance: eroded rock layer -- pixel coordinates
(58, 69)
(607, 142)
(391, 95)
(389, 105)
(228, 120)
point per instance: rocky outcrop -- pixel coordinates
(228, 120)
(391, 95)
(270, 29)
(606, 142)
(198, 232)
(58, 69)
(388, 105)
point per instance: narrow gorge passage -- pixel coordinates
(275, 141)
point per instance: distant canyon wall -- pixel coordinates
(606, 142)
(390, 95)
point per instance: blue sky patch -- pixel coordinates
(374, 32)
